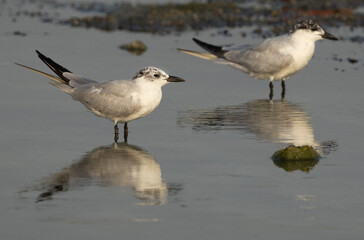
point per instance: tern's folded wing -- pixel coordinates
(77, 80)
(110, 99)
(265, 58)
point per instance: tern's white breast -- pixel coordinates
(148, 98)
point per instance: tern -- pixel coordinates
(275, 58)
(118, 100)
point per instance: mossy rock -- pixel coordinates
(136, 47)
(293, 158)
(293, 153)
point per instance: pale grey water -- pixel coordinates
(199, 166)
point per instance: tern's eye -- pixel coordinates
(156, 75)
(315, 28)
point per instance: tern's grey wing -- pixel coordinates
(263, 59)
(77, 80)
(113, 99)
(236, 47)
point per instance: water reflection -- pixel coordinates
(302, 165)
(275, 121)
(120, 165)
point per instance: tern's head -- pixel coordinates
(309, 29)
(156, 76)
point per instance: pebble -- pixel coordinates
(136, 47)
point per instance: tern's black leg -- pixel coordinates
(126, 132)
(271, 90)
(283, 89)
(116, 132)
(116, 129)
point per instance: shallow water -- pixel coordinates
(199, 166)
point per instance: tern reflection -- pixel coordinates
(120, 165)
(275, 121)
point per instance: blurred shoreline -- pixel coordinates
(268, 18)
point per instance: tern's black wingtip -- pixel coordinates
(196, 40)
(55, 67)
(216, 50)
(39, 53)
(199, 42)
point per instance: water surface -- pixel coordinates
(199, 166)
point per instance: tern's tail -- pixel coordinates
(54, 78)
(214, 52)
(207, 56)
(55, 67)
(60, 80)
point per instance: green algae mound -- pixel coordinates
(293, 153)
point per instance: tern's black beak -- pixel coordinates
(175, 79)
(329, 36)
